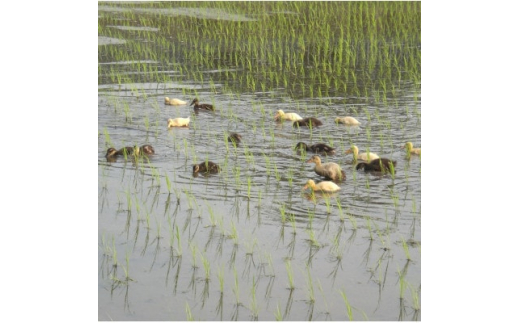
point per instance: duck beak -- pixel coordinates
(348, 151)
(305, 187)
(309, 161)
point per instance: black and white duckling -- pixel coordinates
(234, 137)
(206, 167)
(318, 148)
(378, 165)
(330, 170)
(307, 122)
(203, 106)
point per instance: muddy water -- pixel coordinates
(163, 252)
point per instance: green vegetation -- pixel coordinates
(320, 59)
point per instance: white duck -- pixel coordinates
(169, 101)
(178, 122)
(349, 121)
(280, 115)
(363, 156)
(325, 186)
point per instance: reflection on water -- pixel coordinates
(248, 243)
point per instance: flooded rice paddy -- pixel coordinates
(248, 243)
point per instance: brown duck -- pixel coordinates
(206, 167)
(378, 165)
(318, 148)
(202, 106)
(234, 137)
(307, 122)
(330, 170)
(143, 150)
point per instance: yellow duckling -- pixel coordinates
(325, 186)
(363, 156)
(169, 101)
(349, 121)
(179, 122)
(411, 150)
(281, 116)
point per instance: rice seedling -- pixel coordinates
(312, 239)
(189, 316)
(405, 248)
(234, 234)
(310, 286)
(278, 314)
(207, 266)
(179, 244)
(194, 250)
(168, 183)
(347, 305)
(282, 213)
(290, 275)
(254, 304)
(236, 289)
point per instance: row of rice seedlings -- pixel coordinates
(220, 39)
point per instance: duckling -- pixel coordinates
(325, 186)
(234, 137)
(206, 167)
(145, 149)
(349, 121)
(411, 150)
(378, 165)
(112, 152)
(281, 116)
(203, 106)
(169, 101)
(307, 122)
(330, 170)
(363, 156)
(179, 122)
(316, 148)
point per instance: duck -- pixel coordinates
(179, 122)
(318, 148)
(325, 186)
(307, 122)
(203, 106)
(349, 121)
(329, 170)
(206, 167)
(378, 165)
(411, 150)
(363, 156)
(145, 149)
(169, 101)
(281, 116)
(234, 137)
